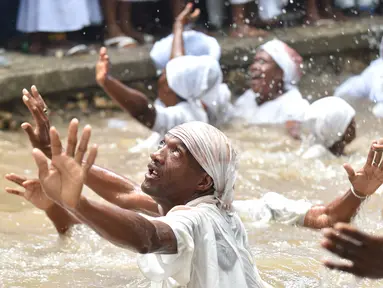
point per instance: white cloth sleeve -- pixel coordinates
(273, 207)
(160, 267)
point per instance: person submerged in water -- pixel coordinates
(273, 97)
(189, 186)
(330, 123)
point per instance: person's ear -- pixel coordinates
(206, 183)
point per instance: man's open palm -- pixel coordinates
(64, 178)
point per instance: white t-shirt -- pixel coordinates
(212, 252)
(289, 106)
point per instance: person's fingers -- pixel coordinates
(83, 146)
(350, 171)
(102, 52)
(31, 107)
(56, 145)
(72, 138)
(349, 268)
(14, 191)
(41, 162)
(15, 178)
(195, 14)
(36, 94)
(29, 184)
(91, 159)
(342, 245)
(371, 154)
(352, 232)
(188, 8)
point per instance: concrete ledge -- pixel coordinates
(53, 75)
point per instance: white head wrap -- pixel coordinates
(328, 119)
(191, 77)
(287, 59)
(216, 155)
(195, 43)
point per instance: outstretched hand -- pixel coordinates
(33, 191)
(102, 67)
(187, 15)
(39, 135)
(368, 179)
(64, 178)
(364, 251)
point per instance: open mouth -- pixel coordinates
(152, 173)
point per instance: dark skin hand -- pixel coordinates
(63, 180)
(365, 182)
(364, 251)
(112, 187)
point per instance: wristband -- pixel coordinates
(356, 195)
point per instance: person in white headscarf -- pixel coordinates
(274, 97)
(198, 240)
(331, 124)
(217, 100)
(215, 95)
(185, 79)
(367, 85)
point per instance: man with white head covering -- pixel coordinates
(190, 183)
(331, 123)
(274, 97)
(366, 85)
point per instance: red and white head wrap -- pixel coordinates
(287, 59)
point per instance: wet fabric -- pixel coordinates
(287, 107)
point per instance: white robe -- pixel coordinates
(289, 106)
(57, 15)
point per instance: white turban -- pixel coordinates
(195, 43)
(287, 59)
(328, 119)
(191, 77)
(216, 155)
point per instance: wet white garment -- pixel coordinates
(272, 207)
(183, 112)
(287, 59)
(366, 85)
(195, 43)
(268, 9)
(317, 151)
(289, 106)
(212, 252)
(57, 15)
(327, 119)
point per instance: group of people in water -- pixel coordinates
(183, 220)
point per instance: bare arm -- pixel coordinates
(341, 209)
(127, 229)
(61, 219)
(365, 182)
(120, 191)
(182, 19)
(131, 100)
